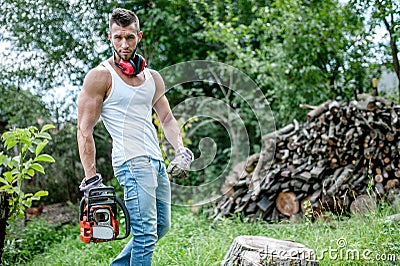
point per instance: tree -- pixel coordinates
(297, 51)
(28, 144)
(21, 108)
(386, 13)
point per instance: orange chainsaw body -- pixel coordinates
(98, 220)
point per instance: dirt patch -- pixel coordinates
(60, 213)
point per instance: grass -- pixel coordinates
(194, 240)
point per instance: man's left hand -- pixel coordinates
(180, 166)
(93, 182)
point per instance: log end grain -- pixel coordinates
(362, 205)
(287, 203)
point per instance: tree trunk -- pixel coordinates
(265, 251)
(4, 212)
(394, 50)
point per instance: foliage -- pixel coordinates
(21, 108)
(385, 14)
(296, 51)
(23, 244)
(28, 143)
(56, 37)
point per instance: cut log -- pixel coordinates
(287, 203)
(256, 179)
(265, 204)
(318, 110)
(393, 218)
(339, 181)
(362, 204)
(265, 251)
(252, 162)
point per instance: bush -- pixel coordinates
(23, 243)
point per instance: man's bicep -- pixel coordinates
(162, 108)
(90, 101)
(88, 110)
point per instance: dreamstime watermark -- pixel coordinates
(340, 251)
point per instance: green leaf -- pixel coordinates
(47, 127)
(2, 180)
(9, 177)
(33, 129)
(28, 201)
(41, 146)
(20, 215)
(44, 135)
(6, 161)
(41, 193)
(30, 172)
(37, 167)
(10, 143)
(44, 158)
(31, 149)
(6, 188)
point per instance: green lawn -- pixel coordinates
(194, 240)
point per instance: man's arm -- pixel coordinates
(90, 101)
(164, 113)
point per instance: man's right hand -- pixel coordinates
(88, 183)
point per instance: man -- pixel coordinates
(123, 92)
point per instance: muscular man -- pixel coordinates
(123, 92)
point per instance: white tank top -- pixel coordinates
(127, 116)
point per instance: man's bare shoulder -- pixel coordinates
(157, 78)
(99, 74)
(154, 73)
(98, 81)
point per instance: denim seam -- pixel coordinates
(136, 183)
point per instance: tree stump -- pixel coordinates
(265, 251)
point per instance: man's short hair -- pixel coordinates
(124, 17)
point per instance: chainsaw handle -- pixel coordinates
(81, 208)
(127, 219)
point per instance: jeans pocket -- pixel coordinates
(120, 173)
(140, 161)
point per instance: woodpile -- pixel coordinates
(343, 159)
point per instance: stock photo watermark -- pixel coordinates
(339, 251)
(343, 252)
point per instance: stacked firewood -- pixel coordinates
(343, 159)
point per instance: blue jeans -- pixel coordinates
(147, 195)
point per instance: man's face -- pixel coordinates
(124, 39)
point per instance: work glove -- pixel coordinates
(93, 182)
(179, 167)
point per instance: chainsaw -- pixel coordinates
(98, 216)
